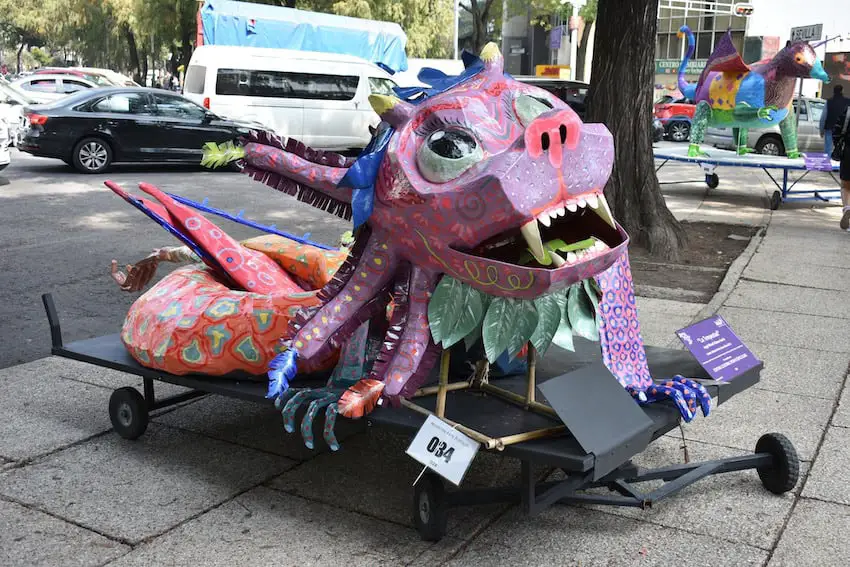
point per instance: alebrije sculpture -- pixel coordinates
(478, 208)
(732, 94)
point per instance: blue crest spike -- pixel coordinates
(273, 226)
(282, 369)
(306, 235)
(206, 201)
(240, 213)
(246, 222)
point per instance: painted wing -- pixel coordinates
(725, 59)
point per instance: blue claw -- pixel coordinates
(687, 394)
(282, 369)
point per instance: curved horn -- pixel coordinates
(391, 109)
(492, 58)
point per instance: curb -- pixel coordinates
(730, 280)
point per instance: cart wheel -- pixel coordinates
(712, 181)
(429, 507)
(775, 200)
(128, 412)
(782, 475)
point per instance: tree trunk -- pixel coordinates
(20, 51)
(621, 98)
(134, 54)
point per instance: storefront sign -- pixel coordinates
(671, 66)
(557, 71)
(717, 349)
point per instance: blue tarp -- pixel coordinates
(226, 22)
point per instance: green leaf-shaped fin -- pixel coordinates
(498, 323)
(581, 313)
(454, 311)
(524, 324)
(548, 320)
(217, 155)
(564, 335)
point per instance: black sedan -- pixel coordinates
(96, 127)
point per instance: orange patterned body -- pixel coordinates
(190, 322)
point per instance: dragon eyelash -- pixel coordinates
(435, 122)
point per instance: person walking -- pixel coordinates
(841, 135)
(835, 107)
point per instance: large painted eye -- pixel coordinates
(446, 154)
(530, 107)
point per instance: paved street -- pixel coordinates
(219, 482)
(60, 229)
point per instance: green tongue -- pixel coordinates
(556, 245)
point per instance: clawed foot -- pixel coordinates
(767, 113)
(742, 151)
(354, 402)
(694, 151)
(793, 154)
(687, 394)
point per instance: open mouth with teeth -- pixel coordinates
(564, 234)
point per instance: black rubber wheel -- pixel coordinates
(128, 412)
(712, 181)
(775, 200)
(429, 507)
(92, 155)
(784, 472)
(770, 145)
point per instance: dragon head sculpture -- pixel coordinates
(497, 183)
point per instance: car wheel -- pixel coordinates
(679, 131)
(770, 146)
(92, 155)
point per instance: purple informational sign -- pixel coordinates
(817, 162)
(555, 37)
(717, 348)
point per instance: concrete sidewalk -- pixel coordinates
(218, 482)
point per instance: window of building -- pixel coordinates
(705, 45)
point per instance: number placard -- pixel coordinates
(445, 450)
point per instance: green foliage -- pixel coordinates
(217, 155)
(42, 58)
(457, 311)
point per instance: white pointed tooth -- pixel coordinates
(561, 211)
(593, 201)
(572, 207)
(571, 257)
(556, 259)
(531, 232)
(582, 203)
(553, 214)
(604, 212)
(544, 219)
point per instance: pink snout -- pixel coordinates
(552, 132)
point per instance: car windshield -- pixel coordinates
(381, 86)
(817, 107)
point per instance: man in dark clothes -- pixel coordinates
(840, 130)
(835, 107)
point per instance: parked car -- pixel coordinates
(574, 93)
(768, 141)
(103, 77)
(5, 154)
(657, 130)
(676, 115)
(13, 104)
(92, 129)
(319, 98)
(47, 87)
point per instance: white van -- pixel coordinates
(320, 99)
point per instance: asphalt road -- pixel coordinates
(60, 229)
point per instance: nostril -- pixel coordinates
(544, 141)
(562, 129)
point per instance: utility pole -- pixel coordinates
(457, 25)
